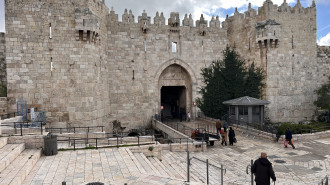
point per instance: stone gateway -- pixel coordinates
(76, 61)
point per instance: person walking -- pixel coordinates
(188, 116)
(288, 138)
(231, 136)
(263, 170)
(218, 125)
(225, 125)
(224, 135)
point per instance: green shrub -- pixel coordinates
(151, 148)
(3, 90)
(295, 128)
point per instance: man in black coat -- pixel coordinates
(288, 137)
(263, 170)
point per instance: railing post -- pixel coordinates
(188, 167)
(22, 129)
(96, 143)
(207, 171)
(74, 144)
(102, 128)
(88, 129)
(41, 127)
(69, 142)
(251, 172)
(326, 180)
(117, 140)
(187, 145)
(221, 174)
(74, 129)
(202, 144)
(60, 130)
(138, 140)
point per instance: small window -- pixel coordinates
(50, 31)
(174, 47)
(243, 110)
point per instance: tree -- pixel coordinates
(228, 79)
(323, 96)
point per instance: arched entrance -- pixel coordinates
(175, 89)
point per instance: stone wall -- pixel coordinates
(56, 59)
(147, 49)
(76, 61)
(3, 105)
(31, 142)
(3, 79)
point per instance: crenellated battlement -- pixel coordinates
(271, 11)
(174, 21)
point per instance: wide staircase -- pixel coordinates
(16, 162)
(121, 165)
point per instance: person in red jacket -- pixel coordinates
(263, 170)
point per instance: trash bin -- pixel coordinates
(50, 145)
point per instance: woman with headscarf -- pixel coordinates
(231, 136)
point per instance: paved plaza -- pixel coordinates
(307, 164)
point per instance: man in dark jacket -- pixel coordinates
(263, 170)
(288, 137)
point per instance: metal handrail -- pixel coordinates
(324, 181)
(74, 128)
(7, 116)
(223, 171)
(25, 125)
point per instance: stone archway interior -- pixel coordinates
(175, 91)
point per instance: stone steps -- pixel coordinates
(162, 167)
(136, 161)
(3, 141)
(8, 154)
(194, 175)
(179, 164)
(148, 167)
(132, 168)
(18, 170)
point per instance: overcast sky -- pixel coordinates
(209, 7)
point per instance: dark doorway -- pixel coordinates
(173, 99)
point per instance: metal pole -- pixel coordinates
(63, 183)
(96, 143)
(251, 173)
(74, 144)
(327, 180)
(117, 140)
(202, 144)
(41, 127)
(188, 165)
(221, 174)
(138, 140)
(207, 171)
(21, 129)
(187, 145)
